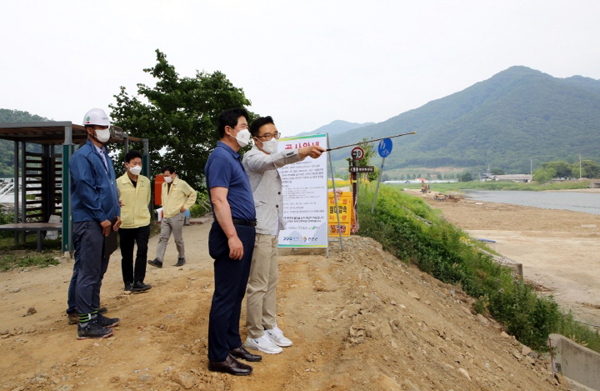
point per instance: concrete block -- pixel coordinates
(576, 362)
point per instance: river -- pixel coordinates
(578, 202)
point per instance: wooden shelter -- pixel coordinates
(41, 175)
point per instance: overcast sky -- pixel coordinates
(306, 63)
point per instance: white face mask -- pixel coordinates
(103, 135)
(243, 137)
(168, 179)
(135, 170)
(270, 146)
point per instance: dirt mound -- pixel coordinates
(359, 320)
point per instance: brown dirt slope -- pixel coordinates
(360, 320)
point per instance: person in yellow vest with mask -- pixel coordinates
(177, 197)
(134, 196)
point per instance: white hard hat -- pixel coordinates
(96, 117)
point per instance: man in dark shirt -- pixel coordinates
(230, 243)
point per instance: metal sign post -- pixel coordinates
(384, 149)
(357, 154)
(337, 211)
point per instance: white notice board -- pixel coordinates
(304, 196)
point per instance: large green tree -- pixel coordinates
(7, 147)
(178, 116)
(589, 169)
(544, 175)
(562, 169)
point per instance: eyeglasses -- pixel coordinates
(269, 136)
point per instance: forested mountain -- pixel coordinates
(336, 127)
(517, 115)
(7, 147)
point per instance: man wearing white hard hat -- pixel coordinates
(95, 212)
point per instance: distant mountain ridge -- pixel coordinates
(336, 127)
(7, 147)
(517, 115)
(18, 116)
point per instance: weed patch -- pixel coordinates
(11, 261)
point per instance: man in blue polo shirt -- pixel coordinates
(230, 243)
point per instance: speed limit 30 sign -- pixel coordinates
(358, 153)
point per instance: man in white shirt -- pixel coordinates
(261, 164)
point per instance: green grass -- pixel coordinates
(448, 254)
(8, 244)
(25, 254)
(459, 186)
(11, 260)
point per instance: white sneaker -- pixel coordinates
(277, 337)
(264, 344)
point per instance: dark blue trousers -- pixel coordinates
(231, 278)
(89, 243)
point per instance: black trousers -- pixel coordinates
(231, 278)
(89, 243)
(130, 237)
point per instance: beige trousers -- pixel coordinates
(167, 225)
(261, 303)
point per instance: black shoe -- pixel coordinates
(74, 316)
(242, 353)
(180, 262)
(106, 322)
(93, 330)
(139, 286)
(128, 286)
(155, 263)
(231, 366)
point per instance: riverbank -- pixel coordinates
(559, 249)
(495, 185)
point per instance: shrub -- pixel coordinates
(202, 205)
(6, 218)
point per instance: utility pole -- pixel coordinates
(531, 169)
(579, 166)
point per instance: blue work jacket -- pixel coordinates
(94, 194)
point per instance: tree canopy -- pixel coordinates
(543, 175)
(178, 116)
(561, 169)
(466, 177)
(589, 169)
(7, 147)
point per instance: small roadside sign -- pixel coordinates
(385, 147)
(358, 153)
(362, 169)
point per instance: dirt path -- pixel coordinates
(559, 249)
(359, 321)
